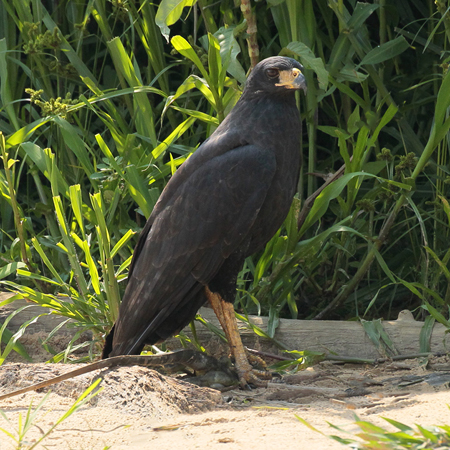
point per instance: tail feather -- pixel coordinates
(107, 349)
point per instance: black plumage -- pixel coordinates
(222, 205)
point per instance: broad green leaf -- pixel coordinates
(309, 60)
(104, 242)
(107, 152)
(376, 333)
(183, 47)
(443, 101)
(139, 190)
(122, 242)
(8, 336)
(322, 201)
(93, 272)
(60, 215)
(344, 88)
(10, 268)
(349, 73)
(332, 191)
(428, 435)
(198, 115)
(187, 85)
(229, 50)
(69, 246)
(370, 428)
(257, 330)
(10, 339)
(123, 61)
(46, 261)
(354, 121)
(143, 112)
(74, 142)
(386, 51)
(425, 334)
(387, 117)
(177, 133)
(273, 321)
(101, 96)
(333, 131)
(436, 314)
(25, 132)
(214, 62)
(42, 159)
(122, 267)
(399, 425)
(34, 276)
(173, 167)
(169, 11)
(361, 14)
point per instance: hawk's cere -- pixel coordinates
(222, 205)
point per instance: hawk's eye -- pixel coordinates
(272, 73)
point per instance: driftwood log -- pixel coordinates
(331, 337)
(341, 338)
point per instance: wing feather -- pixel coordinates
(191, 234)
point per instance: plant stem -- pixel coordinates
(16, 211)
(382, 11)
(249, 16)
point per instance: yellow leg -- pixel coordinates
(225, 313)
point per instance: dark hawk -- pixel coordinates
(222, 205)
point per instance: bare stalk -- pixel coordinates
(249, 16)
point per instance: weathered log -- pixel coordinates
(331, 337)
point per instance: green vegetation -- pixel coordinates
(19, 434)
(373, 437)
(102, 100)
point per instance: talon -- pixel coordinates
(248, 375)
(258, 378)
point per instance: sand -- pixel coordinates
(139, 408)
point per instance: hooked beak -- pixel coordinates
(292, 79)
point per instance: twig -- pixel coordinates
(268, 355)
(353, 359)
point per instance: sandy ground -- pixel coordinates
(141, 409)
